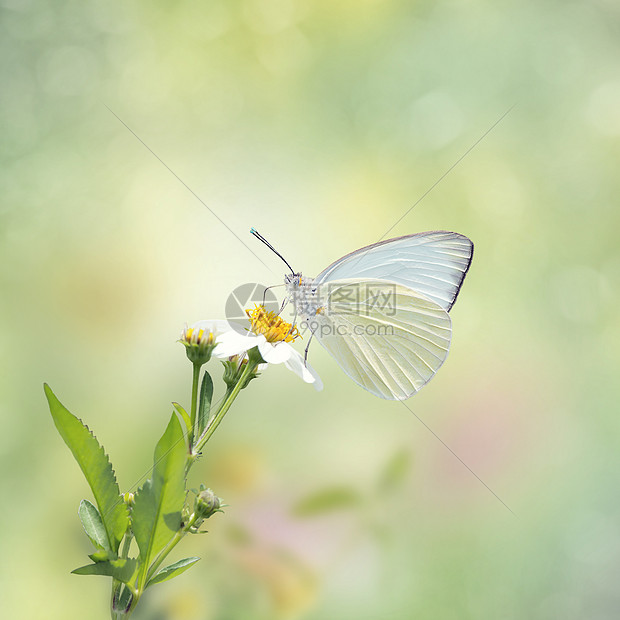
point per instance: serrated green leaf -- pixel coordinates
(206, 396)
(96, 467)
(174, 570)
(395, 470)
(122, 569)
(184, 415)
(327, 500)
(93, 525)
(158, 504)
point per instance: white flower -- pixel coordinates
(272, 336)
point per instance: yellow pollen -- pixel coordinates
(270, 325)
(196, 335)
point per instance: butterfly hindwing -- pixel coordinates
(388, 338)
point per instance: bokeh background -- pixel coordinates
(320, 123)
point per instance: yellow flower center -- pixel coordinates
(195, 336)
(270, 325)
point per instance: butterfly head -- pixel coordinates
(293, 281)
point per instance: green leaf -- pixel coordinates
(184, 415)
(93, 525)
(101, 556)
(395, 470)
(156, 514)
(206, 396)
(327, 500)
(122, 569)
(96, 467)
(172, 571)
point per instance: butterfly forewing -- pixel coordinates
(388, 338)
(432, 263)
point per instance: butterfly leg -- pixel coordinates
(306, 351)
(268, 288)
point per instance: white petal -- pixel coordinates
(305, 371)
(233, 343)
(275, 354)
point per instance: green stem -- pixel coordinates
(117, 585)
(169, 547)
(118, 589)
(127, 544)
(195, 381)
(217, 418)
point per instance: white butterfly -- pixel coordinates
(382, 311)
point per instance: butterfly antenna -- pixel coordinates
(260, 237)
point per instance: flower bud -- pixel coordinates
(207, 503)
(129, 499)
(233, 369)
(199, 342)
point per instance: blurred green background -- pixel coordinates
(320, 123)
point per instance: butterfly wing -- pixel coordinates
(388, 338)
(432, 263)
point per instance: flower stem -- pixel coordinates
(117, 586)
(195, 381)
(124, 600)
(217, 418)
(127, 544)
(169, 547)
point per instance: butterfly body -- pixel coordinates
(302, 292)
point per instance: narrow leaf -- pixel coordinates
(122, 569)
(206, 396)
(327, 500)
(158, 504)
(93, 525)
(184, 415)
(172, 571)
(96, 467)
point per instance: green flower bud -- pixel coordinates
(233, 369)
(199, 342)
(129, 499)
(207, 503)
